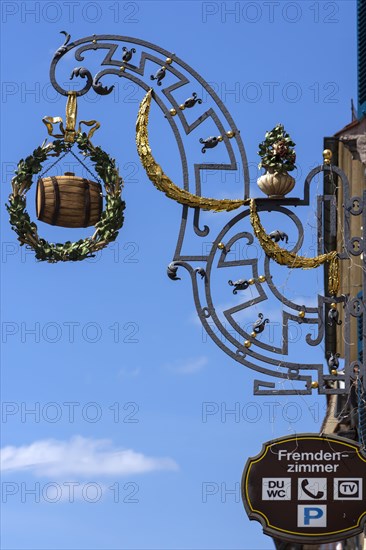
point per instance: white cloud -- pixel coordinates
(188, 366)
(80, 457)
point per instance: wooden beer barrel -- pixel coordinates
(68, 201)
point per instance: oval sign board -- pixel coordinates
(307, 488)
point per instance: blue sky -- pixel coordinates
(132, 444)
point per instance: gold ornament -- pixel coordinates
(327, 155)
(247, 343)
(161, 180)
(122, 69)
(283, 257)
(251, 281)
(301, 314)
(169, 61)
(221, 246)
(261, 278)
(253, 334)
(334, 372)
(230, 134)
(182, 107)
(69, 133)
(314, 385)
(333, 305)
(173, 112)
(172, 191)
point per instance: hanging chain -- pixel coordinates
(94, 176)
(85, 166)
(54, 164)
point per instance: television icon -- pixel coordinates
(348, 488)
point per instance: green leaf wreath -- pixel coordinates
(106, 230)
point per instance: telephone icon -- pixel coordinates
(304, 484)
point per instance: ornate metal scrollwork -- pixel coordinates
(333, 361)
(226, 322)
(83, 73)
(191, 102)
(333, 316)
(355, 206)
(172, 272)
(200, 271)
(210, 142)
(260, 324)
(241, 284)
(127, 55)
(160, 74)
(278, 235)
(62, 49)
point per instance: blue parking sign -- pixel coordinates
(312, 516)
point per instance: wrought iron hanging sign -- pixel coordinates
(278, 157)
(174, 87)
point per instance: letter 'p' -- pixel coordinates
(312, 516)
(312, 513)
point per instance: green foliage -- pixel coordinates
(276, 151)
(106, 229)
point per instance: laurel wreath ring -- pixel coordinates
(106, 230)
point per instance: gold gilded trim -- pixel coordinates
(163, 183)
(292, 260)
(161, 180)
(69, 133)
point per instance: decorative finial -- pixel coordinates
(327, 155)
